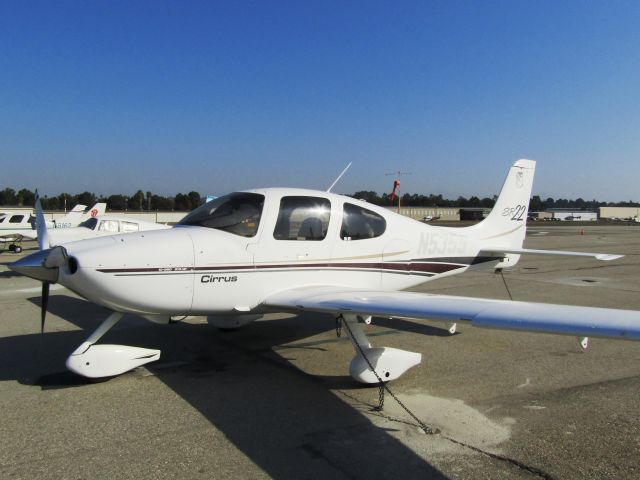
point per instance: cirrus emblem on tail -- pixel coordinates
(520, 179)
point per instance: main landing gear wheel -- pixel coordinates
(15, 248)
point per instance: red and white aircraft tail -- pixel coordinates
(97, 210)
(78, 215)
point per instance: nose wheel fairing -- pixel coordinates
(96, 361)
(109, 360)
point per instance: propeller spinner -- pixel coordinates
(45, 266)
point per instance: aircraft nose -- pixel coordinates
(43, 265)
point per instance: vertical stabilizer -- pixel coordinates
(507, 223)
(71, 219)
(98, 209)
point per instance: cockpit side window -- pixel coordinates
(16, 219)
(128, 226)
(303, 218)
(237, 213)
(108, 226)
(89, 223)
(360, 223)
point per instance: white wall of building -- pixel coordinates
(619, 212)
(576, 216)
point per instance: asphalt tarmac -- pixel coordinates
(274, 399)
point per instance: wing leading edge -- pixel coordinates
(486, 313)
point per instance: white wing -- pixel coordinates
(502, 314)
(528, 251)
(16, 237)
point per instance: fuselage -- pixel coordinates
(229, 257)
(16, 225)
(100, 226)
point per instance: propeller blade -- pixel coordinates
(41, 225)
(44, 304)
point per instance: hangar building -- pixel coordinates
(619, 212)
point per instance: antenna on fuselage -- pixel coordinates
(339, 177)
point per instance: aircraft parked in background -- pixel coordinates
(98, 227)
(14, 227)
(78, 215)
(291, 250)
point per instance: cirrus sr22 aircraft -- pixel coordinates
(291, 250)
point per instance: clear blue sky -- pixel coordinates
(215, 96)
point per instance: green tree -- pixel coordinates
(487, 202)
(194, 200)
(84, 198)
(182, 202)
(162, 203)
(26, 198)
(117, 202)
(536, 204)
(368, 196)
(136, 201)
(474, 202)
(8, 197)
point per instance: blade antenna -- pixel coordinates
(339, 177)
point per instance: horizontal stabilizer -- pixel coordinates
(501, 314)
(528, 251)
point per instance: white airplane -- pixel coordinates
(291, 250)
(77, 215)
(98, 227)
(14, 227)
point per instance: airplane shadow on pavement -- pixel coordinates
(286, 421)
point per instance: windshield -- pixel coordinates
(237, 213)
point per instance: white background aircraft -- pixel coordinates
(78, 215)
(16, 226)
(256, 251)
(98, 227)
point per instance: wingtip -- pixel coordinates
(607, 257)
